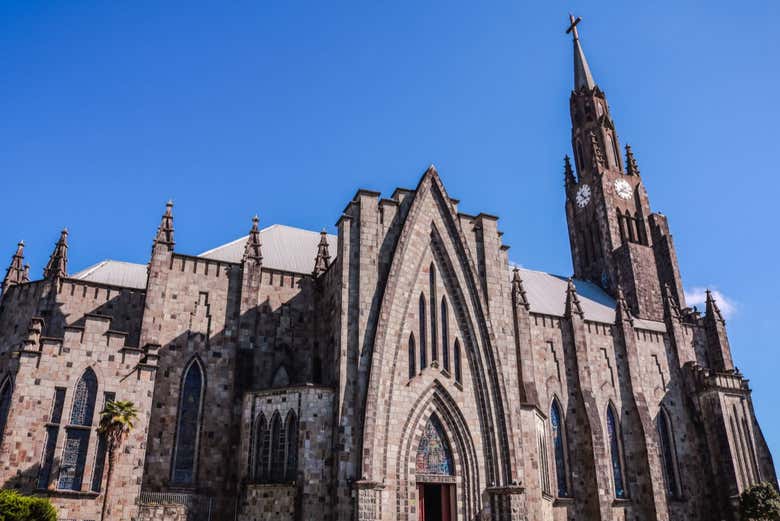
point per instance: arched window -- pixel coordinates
(84, 400)
(616, 452)
(641, 233)
(631, 223)
(292, 446)
(434, 326)
(262, 436)
(558, 432)
(6, 390)
(74, 456)
(434, 456)
(278, 461)
(412, 357)
(188, 429)
(445, 335)
(456, 360)
(281, 377)
(668, 453)
(423, 334)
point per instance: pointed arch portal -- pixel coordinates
(434, 464)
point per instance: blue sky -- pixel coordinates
(286, 108)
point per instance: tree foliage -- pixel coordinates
(761, 502)
(17, 507)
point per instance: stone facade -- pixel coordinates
(404, 370)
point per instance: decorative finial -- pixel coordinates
(622, 311)
(573, 306)
(631, 167)
(252, 250)
(568, 172)
(16, 273)
(58, 262)
(165, 230)
(322, 260)
(518, 291)
(711, 307)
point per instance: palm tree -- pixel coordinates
(116, 422)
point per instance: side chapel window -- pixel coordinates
(412, 357)
(616, 452)
(6, 390)
(558, 429)
(77, 433)
(668, 453)
(276, 448)
(188, 430)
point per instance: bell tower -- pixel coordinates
(615, 239)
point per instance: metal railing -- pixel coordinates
(199, 508)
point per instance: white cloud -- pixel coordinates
(698, 297)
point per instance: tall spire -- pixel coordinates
(16, 273)
(322, 260)
(165, 230)
(252, 251)
(58, 262)
(582, 75)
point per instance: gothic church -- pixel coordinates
(403, 369)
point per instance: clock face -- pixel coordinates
(623, 189)
(583, 196)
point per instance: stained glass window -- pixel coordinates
(667, 453)
(433, 453)
(613, 431)
(445, 335)
(559, 449)
(262, 437)
(5, 404)
(277, 448)
(74, 457)
(292, 446)
(456, 360)
(185, 452)
(412, 357)
(84, 399)
(423, 334)
(48, 456)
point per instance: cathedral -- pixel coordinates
(402, 369)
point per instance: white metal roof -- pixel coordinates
(546, 293)
(284, 248)
(115, 273)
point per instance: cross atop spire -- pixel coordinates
(582, 75)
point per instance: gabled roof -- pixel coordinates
(284, 248)
(115, 273)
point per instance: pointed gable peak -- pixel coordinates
(16, 273)
(573, 306)
(252, 250)
(165, 230)
(58, 262)
(583, 79)
(322, 260)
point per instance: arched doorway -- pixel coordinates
(435, 474)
